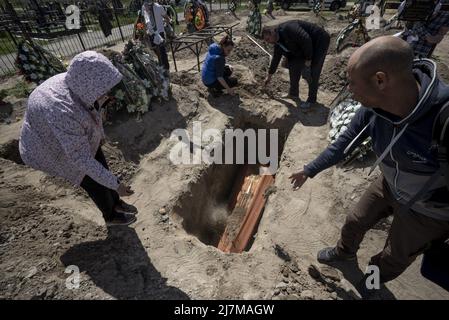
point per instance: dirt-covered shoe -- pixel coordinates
(123, 207)
(330, 254)
(121, 219)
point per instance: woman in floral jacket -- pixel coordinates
(63, 129)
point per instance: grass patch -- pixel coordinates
(6, 44)
(20, 90)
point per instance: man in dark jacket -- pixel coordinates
(401, 99)
(305, 47)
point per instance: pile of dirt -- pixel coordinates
(222, 17)
(247, 51)
(39, 241)
(295, 283)
(333, 76)
(28, 229)
(123, 168)
(183, 78)
(258, 63)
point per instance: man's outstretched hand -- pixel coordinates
(298, 179)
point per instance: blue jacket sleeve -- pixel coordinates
(334, 153)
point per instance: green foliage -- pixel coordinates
(143, 79)
(20, 90)
(37, 64)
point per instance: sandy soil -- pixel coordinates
(47, 225)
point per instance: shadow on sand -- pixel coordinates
(121, 267)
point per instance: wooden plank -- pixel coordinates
(247, 203)
(253, 216)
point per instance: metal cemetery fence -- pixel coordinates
(102, 23)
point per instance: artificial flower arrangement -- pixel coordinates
(130, 94)
(140, 30)
(37, 64)
(143, 79)
(339, 120)
(155, 77)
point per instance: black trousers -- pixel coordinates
(161, 52)
(103, 197)
(231, 81)
(295, 67)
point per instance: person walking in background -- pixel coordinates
(269, 9)
(154, 16)
(63, 129)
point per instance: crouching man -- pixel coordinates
(63, 130)
(401, 99)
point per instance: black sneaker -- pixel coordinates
(123, 207)
(330, 254)
(121, 219)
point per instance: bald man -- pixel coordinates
(400, 99)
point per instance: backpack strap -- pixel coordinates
(440, 143)
(440, 139)
(433, 178)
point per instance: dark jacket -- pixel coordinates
(213, 66)
(299, 38)
(409, 161)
